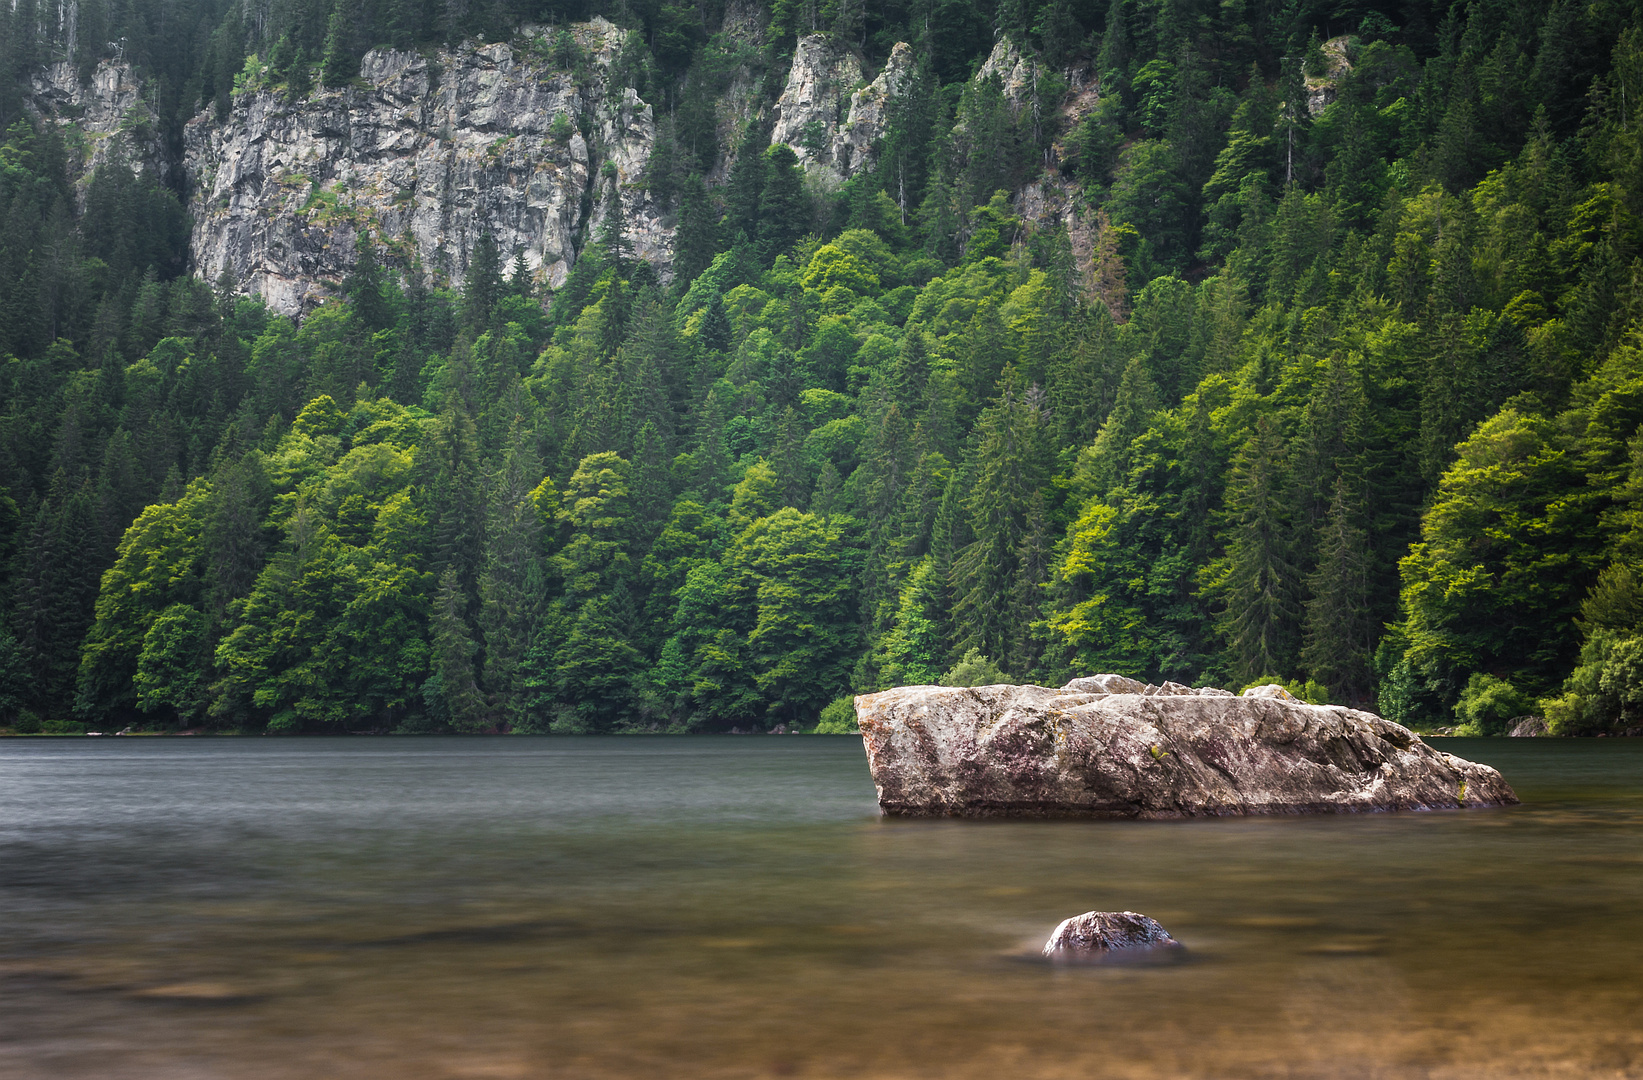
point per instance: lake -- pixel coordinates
(735, 907)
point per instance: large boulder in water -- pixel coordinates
(1160, 752)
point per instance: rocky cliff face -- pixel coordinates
(855, 143)
(103, 120)
(828, 113)
(1322, 89)
(813, 104)
(425, 154)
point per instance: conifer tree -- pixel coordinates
(340, 60)
(1132, 409)
(696, 240)
(784, 214)
(1255, 583)
(482, 287)
(1010, 464)
(513, 579)
(746, 188)
(1338, 629)
(454, 649)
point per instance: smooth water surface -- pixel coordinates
(735, 907)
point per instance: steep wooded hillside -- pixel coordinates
(378, 367)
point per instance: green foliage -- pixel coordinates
(1604, 693)
(973, 669)
(1308, 690)
(1487, 704)
(1282, 381)
(839, 718)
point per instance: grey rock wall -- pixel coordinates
(102, 120)
(816, 99)
(831, 117)
(426, 154)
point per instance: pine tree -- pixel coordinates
(55, 586)
(1339, 627)
(697, 239)
(986, 353)
(364, 286)
(746, 188)
(715, 332)
(784, 213)
(1010, 465)
(1132, 410)
(482, 287)
(453, 656)
(513, 579)
(340, 58)
(1256, 581)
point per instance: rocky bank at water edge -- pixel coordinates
(1111, 747)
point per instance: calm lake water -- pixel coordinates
(735, 907)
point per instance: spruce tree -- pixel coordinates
(1010, 463)
(784, 212)
(1256, 583)
(482, 286)
(1339, 626)
(453, 657)
(1132, 410)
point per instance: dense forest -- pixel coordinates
(1347, 394)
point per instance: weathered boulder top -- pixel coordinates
(1110, 747)
(1096, 934)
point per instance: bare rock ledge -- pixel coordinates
(1109, 747)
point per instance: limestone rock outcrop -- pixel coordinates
(1100, 748)
(855, 143)
(427, 154)
(1016, 72)
(1099, 935)
(1322, 89)
(104, 119)
(813, 103)
(832, 121)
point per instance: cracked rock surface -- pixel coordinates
(1149, 752)
(425, 153)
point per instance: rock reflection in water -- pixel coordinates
(735, 907)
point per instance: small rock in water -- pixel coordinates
(1096, 935)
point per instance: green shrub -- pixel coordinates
(839, 718)
(1311, 691)
(1605, 692)
(974, 669)
(1487, 704)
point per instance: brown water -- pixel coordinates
(722, 907)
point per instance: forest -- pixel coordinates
(1348, 394)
